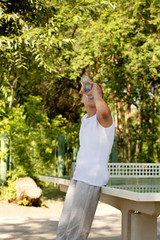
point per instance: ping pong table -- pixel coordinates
(138, 199)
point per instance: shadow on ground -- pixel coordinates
(45, 228)
(27, 228)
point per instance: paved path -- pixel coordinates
(30, 223)
(25, 223)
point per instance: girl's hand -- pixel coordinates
(95, 91)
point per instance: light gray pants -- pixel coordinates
(78, 211)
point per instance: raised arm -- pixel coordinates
(103, 111)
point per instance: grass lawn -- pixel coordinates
(52, 192)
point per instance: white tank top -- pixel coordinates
(93, 155)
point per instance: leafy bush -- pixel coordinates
(33, 140)
(8, 192)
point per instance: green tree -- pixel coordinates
(47, 45)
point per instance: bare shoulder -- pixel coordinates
(105, 122)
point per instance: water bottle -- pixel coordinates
(87, 84)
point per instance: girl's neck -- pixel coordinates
(91, 112)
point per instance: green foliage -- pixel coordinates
(33, 139)
(8, 192)
(33, 112)
(46, 46)
(23, 202)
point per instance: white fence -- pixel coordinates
(151, 170)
